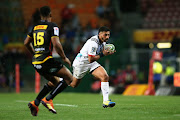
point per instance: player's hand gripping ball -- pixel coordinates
(109, 47)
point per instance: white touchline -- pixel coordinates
(23, 101)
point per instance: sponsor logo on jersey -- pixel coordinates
(40, 27)
(39, 49)
(56, 31)
(38, 66)
(93, 50)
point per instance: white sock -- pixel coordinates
(105, 90)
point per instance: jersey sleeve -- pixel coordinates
(54, 30)
(92, 48)
(30, 34)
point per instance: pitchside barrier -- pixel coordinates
(17, 79)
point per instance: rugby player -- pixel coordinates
(40, 42)
(86, 61)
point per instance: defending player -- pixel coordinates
(40, 42)
(85, 62)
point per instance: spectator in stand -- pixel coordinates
(75, 22)
(86, 33)
(118, 82)
(129, 75)
(100, 10)
(157, 73)
(2, 77)
(119, 78)
(70, 34)
(66, 14)
(169, 72)
(80, 45)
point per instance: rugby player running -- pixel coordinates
(86, 61)
(40, 42)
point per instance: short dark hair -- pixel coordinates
(45, 11)
(103, 28)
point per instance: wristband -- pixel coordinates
(101, 54)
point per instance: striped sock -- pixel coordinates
(58, 89)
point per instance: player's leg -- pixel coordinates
(33, 105)
(44, 91)
(53, 81)
(75, 82)
(101, 74)
(67, 78)
(79, 71)
(49, 103)
(66, 75)
(53, 70)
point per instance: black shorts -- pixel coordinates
(51, 66)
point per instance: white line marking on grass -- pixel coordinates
(66, 105)
(23, 101)
(176, 114)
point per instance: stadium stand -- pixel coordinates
(85, 9)
(162, 14)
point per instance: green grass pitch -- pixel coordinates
(82, 106)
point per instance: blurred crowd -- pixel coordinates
(8, 60)
(119, 79)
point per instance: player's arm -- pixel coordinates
(28, 44)
(59, 49)
(92, 49)
(92, 58)
(57, 45)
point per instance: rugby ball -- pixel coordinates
(109, 47)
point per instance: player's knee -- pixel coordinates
(105, 78)
(69, 78)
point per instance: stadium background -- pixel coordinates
(136, 28)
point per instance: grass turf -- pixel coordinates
(81, 106)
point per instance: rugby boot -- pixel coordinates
(49, 105)
(108, 104)
(34, 109)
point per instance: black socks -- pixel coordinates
(59, 88)
(46, 89)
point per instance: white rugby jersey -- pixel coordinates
(92, 47)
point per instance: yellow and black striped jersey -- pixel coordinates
(41, 34)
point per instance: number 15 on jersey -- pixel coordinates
(38, 38)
